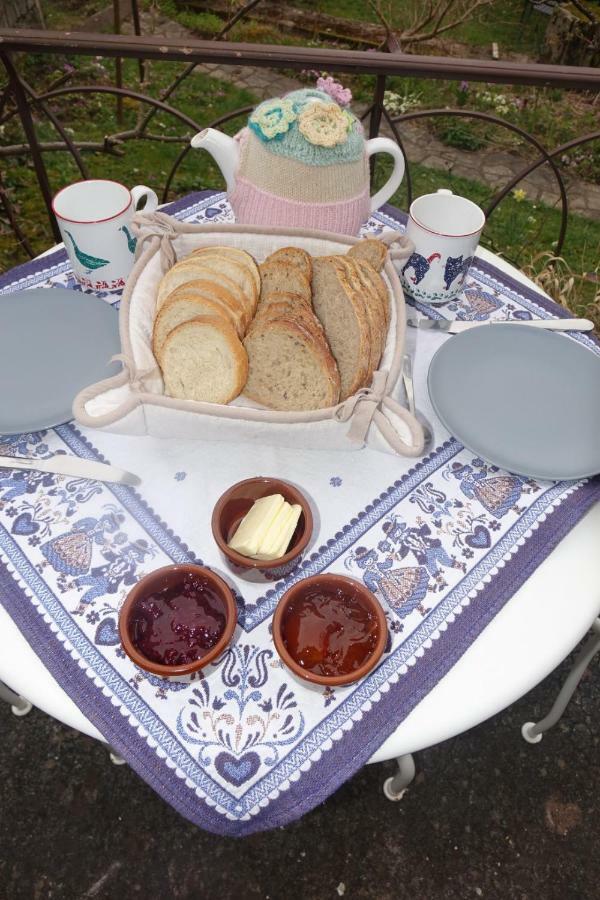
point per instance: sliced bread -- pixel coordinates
(240, 256)
(379, 286)
(341, 312)
(299, 258)
(182, 309)
(283, 276)
(287, 369)
(291, 298)
(203, 359)
(199, 290)
(373, 308)
(372, 250)
(216, 269)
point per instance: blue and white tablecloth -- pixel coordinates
(443, 543)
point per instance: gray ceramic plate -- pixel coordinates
(524, 399)
(53, 343)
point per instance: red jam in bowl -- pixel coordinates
(329, 631)
(179, 624)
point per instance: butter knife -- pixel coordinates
(453, 326)
(62, 464)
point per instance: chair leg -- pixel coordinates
(395, 787)
(19, 705)
(533, 731)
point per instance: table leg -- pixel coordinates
(533, 731)
(395, 787)
(19, 705)
(115, 759)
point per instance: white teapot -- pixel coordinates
(303, 162)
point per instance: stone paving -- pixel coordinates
(488, 817)
(492, 166)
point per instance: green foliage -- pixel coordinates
(456, 133)
(91, 117)
(203, 22)
(518, 230)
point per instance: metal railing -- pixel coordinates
(20, 99)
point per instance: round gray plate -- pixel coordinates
(524, 399)
(53, 343)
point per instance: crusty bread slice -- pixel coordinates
(236, 272)
(372, 250)
(291, 300)
(379, 286)
(192, 270)
(299, 258)
(287, 370)
(343, 317)
(203, 359)
(374, 310)
(240, 256)
(214, 291)
(283, 276)
(212, 268)
(183, 308)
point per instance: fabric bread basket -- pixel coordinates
(133, 402)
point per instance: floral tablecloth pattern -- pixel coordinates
(443, 543)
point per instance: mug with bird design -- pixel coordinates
(445, 230)
(94, 218)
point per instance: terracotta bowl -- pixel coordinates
(231, 508)
(165, 578)
(329, 582)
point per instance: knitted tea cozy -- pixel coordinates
(310, 127)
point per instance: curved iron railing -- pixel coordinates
(381, 65)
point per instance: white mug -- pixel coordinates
(94, 218)
(445, 230)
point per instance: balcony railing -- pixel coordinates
(20, 99)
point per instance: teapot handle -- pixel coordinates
(386, 145)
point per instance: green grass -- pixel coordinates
(146, 162)
(499, 22)
(518, 230)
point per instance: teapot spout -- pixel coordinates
(223, 149)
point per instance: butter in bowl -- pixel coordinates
(262, 525)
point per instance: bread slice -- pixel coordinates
(371, 250)
(338, 306)
(379, 286)
(290, 298)
(203, 359)
(373, 308)
(299, 258)
(182, 309)
(283, 276)
(224, 266)
(201, 289)
(223, 271)
(240, 256)
(287, 370)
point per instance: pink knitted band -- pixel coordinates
(255, 207)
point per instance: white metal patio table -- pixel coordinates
(519, 647)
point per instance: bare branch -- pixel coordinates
(236, 18)
(439, 27)
(375, 5)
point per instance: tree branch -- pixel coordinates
(440, 29)
(236, 18)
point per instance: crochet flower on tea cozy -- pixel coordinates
(271, 119)
(324, 124)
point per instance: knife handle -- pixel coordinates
(547, 324)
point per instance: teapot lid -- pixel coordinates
(308, 126)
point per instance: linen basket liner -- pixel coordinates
(161, 241)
